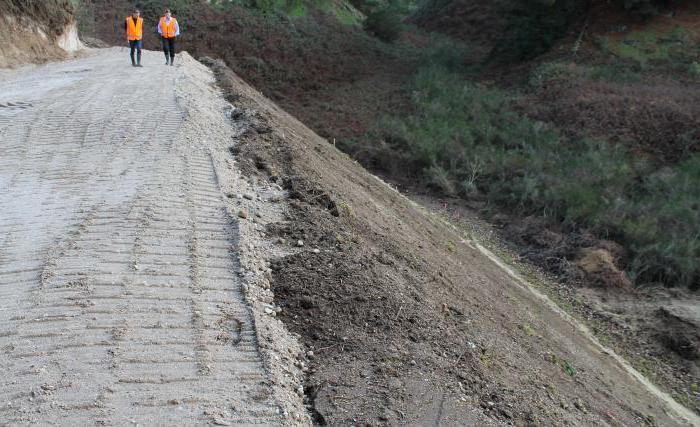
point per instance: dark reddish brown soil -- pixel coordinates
(657, 118)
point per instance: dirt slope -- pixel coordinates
(406, 321)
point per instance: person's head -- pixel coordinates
(167, 13)
(136, 13)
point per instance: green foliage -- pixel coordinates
(463, 138)
(562, 72)
(444, 52)
(385, 21)
(663, 224)
(694, 69)
(648, 47)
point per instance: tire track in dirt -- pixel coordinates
(119, 298)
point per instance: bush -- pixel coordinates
(445, 52)
(385, 22)
(570, 73)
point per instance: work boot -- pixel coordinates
(171, 61)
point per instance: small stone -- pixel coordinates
(243, 214)
(310, 354)
(300, 243)
(268, 310)
(248, 196)
(317, 251)
(281, 241)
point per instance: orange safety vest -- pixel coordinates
(169, 30)
(134, 31)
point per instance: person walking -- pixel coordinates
(134, 33)
(168, 28)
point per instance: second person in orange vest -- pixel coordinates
(134, 33)
(168, 28)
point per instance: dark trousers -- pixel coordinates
(169, 48)
(136, 45)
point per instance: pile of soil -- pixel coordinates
(403, 320)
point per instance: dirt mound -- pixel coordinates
(679, 333)
(36, 31)
(404, 321)
(599, 265)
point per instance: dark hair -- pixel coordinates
(167, 10)
(136, 9)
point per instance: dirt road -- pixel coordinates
(119, 295)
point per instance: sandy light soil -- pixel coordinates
(119, 261)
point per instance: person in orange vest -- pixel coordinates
(168, 28)
(134, 32)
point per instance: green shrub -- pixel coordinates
(385, 22)
(444, 52)
(663, 224)
(694, 69)
(562, 72)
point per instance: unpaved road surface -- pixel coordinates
(119, 298)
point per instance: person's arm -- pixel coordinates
(126, 27)
(159, 30)
(177, 28)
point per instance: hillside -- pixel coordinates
(405, 318)
(574, 136)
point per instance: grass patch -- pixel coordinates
(650, 47)
(562, 72)
(529, 331)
